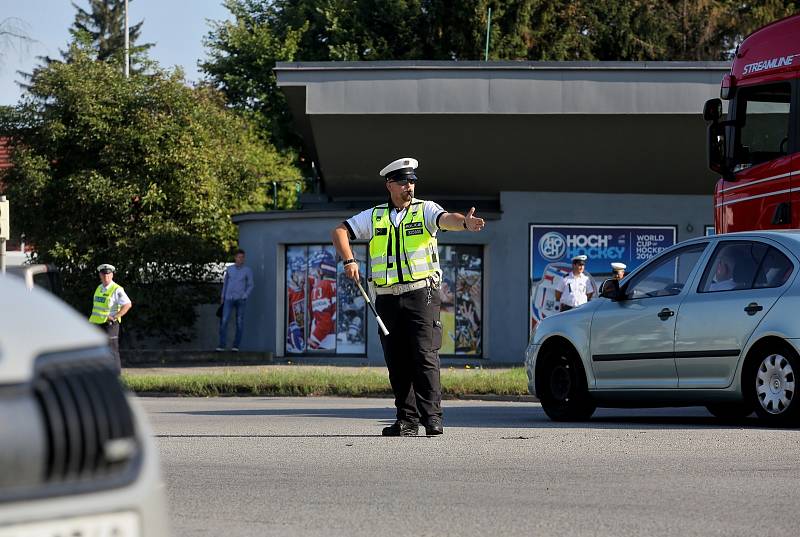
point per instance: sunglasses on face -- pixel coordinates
(404, 181)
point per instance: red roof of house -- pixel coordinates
(5, 153)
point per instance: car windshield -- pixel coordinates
(762, 122)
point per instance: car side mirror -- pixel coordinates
(610, 289)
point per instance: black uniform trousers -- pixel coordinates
(411, 351)
(112, 329)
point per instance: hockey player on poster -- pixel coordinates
(322, 285)
(296, 300)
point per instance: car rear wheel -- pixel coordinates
(564, 394)
(770, 383)
(731, 411)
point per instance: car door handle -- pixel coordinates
(665, 314)
(752, 308)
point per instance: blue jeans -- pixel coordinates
(227, 309)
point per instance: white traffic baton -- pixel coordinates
(372, 307)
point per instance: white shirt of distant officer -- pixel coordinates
(402, 193)
(119, 303)
(576, 288)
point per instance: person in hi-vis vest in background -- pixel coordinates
(109, 305)
(404, 263)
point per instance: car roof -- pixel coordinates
(788, 237)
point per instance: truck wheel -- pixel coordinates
(731, 412)
(564, 394)
(769, 381)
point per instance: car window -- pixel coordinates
(733, 266)
(665, 276)
(774, 271)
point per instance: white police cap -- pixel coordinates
(581, 258)
(106, 266)
(618, 266)
(401, 166)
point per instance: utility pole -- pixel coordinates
(488, 28)
(127, 44)
(5, 232)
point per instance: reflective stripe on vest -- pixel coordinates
(100, 304)
(418, 255)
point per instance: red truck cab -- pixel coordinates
(755, 147)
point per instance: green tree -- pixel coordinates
(242, 54)
(141, 172)
(104, 23)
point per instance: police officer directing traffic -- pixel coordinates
(404, 260)
(109, 305)
(576, 288)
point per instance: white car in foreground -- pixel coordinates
(77, 458)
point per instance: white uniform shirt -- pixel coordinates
(361, 224)
(574, 289)
(117, 299)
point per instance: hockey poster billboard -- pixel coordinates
(552, 248)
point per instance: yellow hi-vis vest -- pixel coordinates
(100, 305)
(410, 245)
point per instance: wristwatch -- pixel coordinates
(348, 261)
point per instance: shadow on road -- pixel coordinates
(509, 417)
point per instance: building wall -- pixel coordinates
(506, 257)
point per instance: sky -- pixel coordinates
(176, 27)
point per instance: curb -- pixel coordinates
(447, 397)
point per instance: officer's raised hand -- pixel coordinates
(473, 223)
(460, 222)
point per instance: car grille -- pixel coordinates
(87, 428)
(86, 415)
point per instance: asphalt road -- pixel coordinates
(316, 467)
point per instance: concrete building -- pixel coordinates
(606, 159)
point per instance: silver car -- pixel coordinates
(713, 321)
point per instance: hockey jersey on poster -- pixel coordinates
(296, 299)
(322, 299)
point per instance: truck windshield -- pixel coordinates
(762, 119)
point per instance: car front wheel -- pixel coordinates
(770, 383)
(564, 394)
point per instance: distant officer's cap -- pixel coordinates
(618, 266)
(579, 259)
(105, 267)
(399, 168)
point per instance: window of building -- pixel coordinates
(462, 299)
(325, 313)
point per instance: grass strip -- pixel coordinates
(322, 381)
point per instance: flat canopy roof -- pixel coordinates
(479, 128)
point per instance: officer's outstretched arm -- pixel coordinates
(460, 222)
(341, 242)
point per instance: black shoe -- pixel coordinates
(401, 428)
(434, 426)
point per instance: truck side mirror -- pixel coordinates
(610, 289)
(712, 110)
